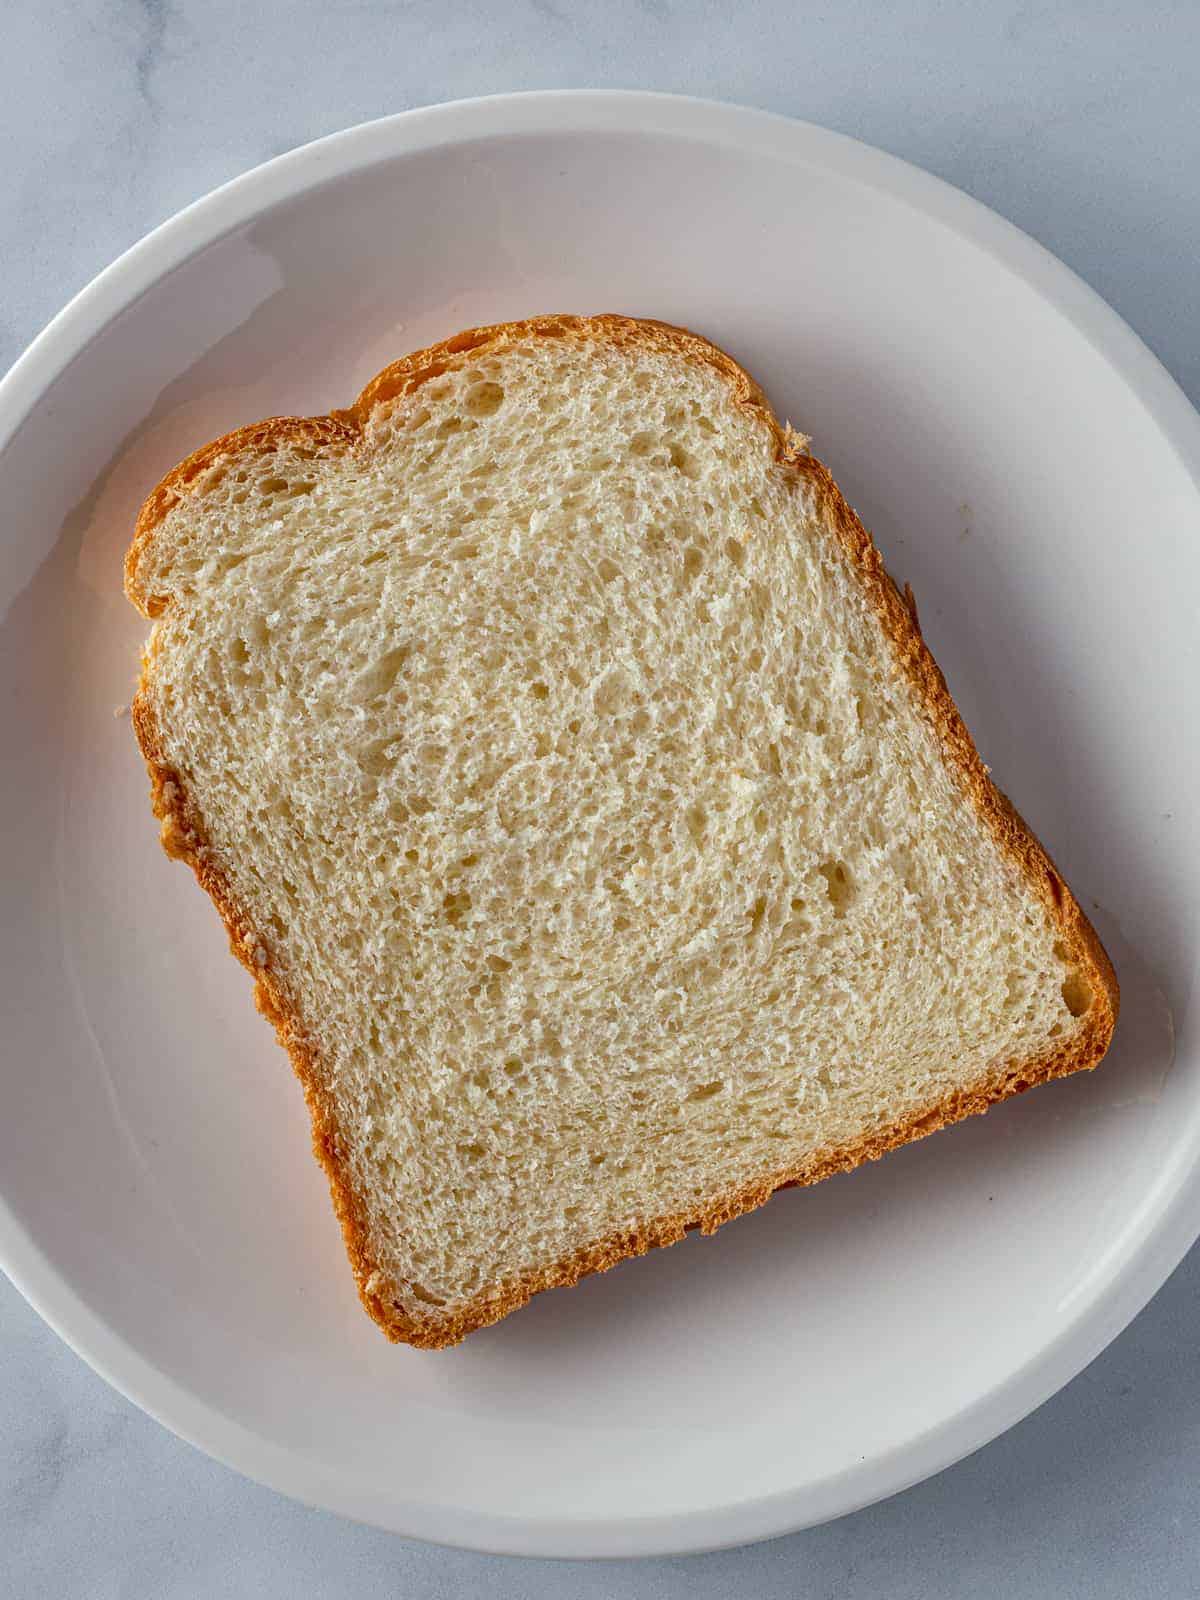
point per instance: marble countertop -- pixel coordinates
(1077, 121)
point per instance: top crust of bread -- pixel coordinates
(183, 829)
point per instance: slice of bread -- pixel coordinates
(575, 783)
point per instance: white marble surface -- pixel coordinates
(1079, 122)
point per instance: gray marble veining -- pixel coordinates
(1078, 121)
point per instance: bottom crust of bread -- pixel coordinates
(491, 1307)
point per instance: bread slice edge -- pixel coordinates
(184, 837)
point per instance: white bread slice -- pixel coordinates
(601, 835)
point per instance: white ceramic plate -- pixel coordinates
(1022, 460)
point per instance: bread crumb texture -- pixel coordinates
(597, 848)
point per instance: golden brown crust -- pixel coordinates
(184, 837)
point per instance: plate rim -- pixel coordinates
(1170, 1220)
